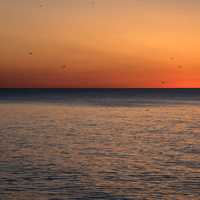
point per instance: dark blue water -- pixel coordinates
(104, 97)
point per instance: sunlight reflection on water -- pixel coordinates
(52, 151)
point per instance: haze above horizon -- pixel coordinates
(99, 44)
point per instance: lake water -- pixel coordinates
(107, 144)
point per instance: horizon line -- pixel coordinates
(95, 88)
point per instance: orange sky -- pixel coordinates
(102, 43)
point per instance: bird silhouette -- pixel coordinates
(180, 66)
(63, 66)
(92, 3)
(163, 82)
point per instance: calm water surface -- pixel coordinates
(59, 151)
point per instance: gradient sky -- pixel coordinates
(99, 43)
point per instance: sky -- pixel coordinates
(99, 43)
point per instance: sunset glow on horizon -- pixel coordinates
(99, 44)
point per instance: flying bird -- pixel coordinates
(63, 66)
(41, 4)
(163, 82)
(92, 3)
(180, 66)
